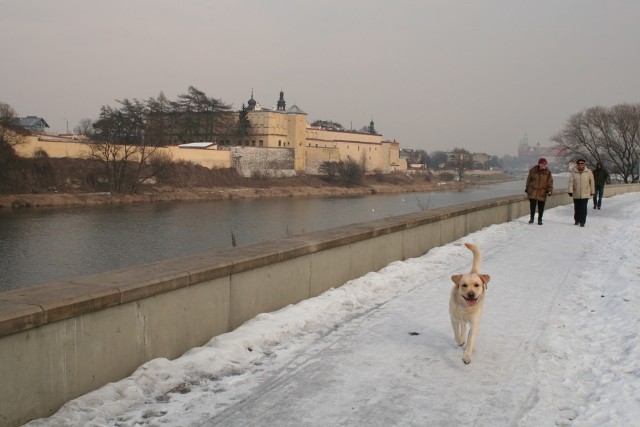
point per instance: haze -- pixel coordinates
(433, 75)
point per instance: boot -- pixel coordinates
(531, 220)
(539, 221)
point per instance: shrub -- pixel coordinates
(330, 169)
(447, 177)
(351, 173)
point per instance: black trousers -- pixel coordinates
(532, 208)
(597, 196)
(580, 210)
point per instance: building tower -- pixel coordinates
(281, 103)
(251, 104)
(523, 146)
(372, 129)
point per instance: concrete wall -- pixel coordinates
(77, 149)
(61, 340)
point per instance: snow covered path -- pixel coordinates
(558, 344)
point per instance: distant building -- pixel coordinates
(33, 124)
(261, 145)
(481, 161)
(288, 128)
(531, 153)
(461, 157)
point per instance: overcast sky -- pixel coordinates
(433, 75)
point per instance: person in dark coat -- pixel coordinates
(539, 186)
(600, 176)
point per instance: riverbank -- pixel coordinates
(266, 188)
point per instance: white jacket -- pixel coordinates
(582, 184)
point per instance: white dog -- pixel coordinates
(467, 302)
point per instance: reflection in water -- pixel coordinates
(45, 245)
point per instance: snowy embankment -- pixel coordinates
(558, 344)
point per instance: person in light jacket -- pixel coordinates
(581, 188)
(539, 186)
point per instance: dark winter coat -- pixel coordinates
(539, 184)
(600, 176)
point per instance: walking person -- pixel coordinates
(600, 175)
(581, 188)
(539, 186)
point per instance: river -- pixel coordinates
(42, 245)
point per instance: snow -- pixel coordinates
(558, 344)
(196, 145)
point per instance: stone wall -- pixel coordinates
(270, 162)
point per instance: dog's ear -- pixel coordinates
(456, 278)
(485, 279)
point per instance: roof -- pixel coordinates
(294, 109)
(197, 145)
(33, 122)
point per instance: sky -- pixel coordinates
(432, 75)
(558, 344)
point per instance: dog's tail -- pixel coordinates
(477, 258)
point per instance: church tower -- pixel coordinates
(281, 103)
(372, 129)
(251, 103)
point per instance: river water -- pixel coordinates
(42, 245)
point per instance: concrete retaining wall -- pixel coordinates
(61, 340)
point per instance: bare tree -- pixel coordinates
(7, 111)
(351, 173)
(419, 157)
(85, 127)
(607, 135)
(330, 169)
(126, 138)
(437, 159)
(120, 146)
(11, 134)
(460, 161)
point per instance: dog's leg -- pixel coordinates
(459, 329)
(473, 334)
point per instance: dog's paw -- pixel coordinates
(466, 359)
(460, 343)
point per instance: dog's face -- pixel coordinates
(470, 287)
